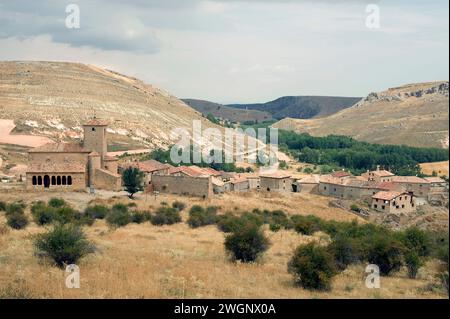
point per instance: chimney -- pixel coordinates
(378, 168)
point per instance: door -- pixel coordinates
(46, 181)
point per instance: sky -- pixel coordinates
(240, 51)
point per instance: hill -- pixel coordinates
(301, 107)
(229, 113)
(414, 115)
(53, 99)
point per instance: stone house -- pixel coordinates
(393, 202)
(149, 167)
(418, 186)
(239, 184)
(74, 166)
(183, 185)
(308, 184)
(378, 176)
(280, 182)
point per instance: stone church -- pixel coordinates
(74, 166)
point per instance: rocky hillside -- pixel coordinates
(414, 114)
(302, 107)
(53, 99)
(228, 113)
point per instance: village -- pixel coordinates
(87, 166)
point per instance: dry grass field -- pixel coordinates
(441, 168)
(146, 261)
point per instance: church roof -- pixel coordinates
(96, 122)
(60, 148)
(56, 167)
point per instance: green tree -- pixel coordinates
(133, 180)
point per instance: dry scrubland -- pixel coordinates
(146, 261)
(441, 168)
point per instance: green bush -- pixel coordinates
(43, 215)
(84, 219)
(131, 205)
(312, 266)
(275, 227)
(139, 217)
(65, 214)
(165, 216)
(346, 251)
(179, 206)
(355, 208)
(229, 223)
(306, 225)
(17, 220)
(413, 262)
(120, 207)
(247, 243)
(385, 252)
(57, 202)
(118, 216)
(198, 216)
(64, 244)
(15, 208)
(2, 206)
(252, 218)
(416, 240)
(97, 211)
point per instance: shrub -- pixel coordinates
(2, 206)
(65, 214)
(346, 251)
(64, 244)
(84, 219)
(57, 202)
(312, 266)
(165, 216)
(131, 205)
(17, 220)
(43, 215)
(229, 222)
(413, 262)
(198, 216)
(97, 211)
(416, 240)
(15, 208)
(247, 243)
(120, 207)
(385, 252)
(252, 218)
(306, 225)
(139, 217)
(179, 206)
(355, 208)
(118, 217)
(275, 227)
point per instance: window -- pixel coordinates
(53, 180)
(383, 207)
(39, 180)
(58, 180)
(34, 180)
(69, 180)
(375, 206)
(93, 129)
(403, 206)
(64, 180)
(397, 207)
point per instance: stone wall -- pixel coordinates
(78, 182)
(104, 179)
(183, 185)
(269, 184)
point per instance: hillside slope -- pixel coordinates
(226, 112)
(53, 99)
(414, 114)
(301, 107)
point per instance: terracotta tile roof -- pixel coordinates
(60, 148)
(388, 186)
(211, 171)
(187, 170)
(278, 175)
(435, 180)
(148, 166)
(96, 122)
(238, 180)
(388, 195)
(217, 181)
(340, 174)
(56, 167)
(409, 179)
(312, 179)
(382, 173)
(328, 179)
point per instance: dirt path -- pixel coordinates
(6, 126)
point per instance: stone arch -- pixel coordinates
(58, 180)
(34, 180)
(64, 180)
(69, 180)
(39, 180)
(53, 180)
(46, 181)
